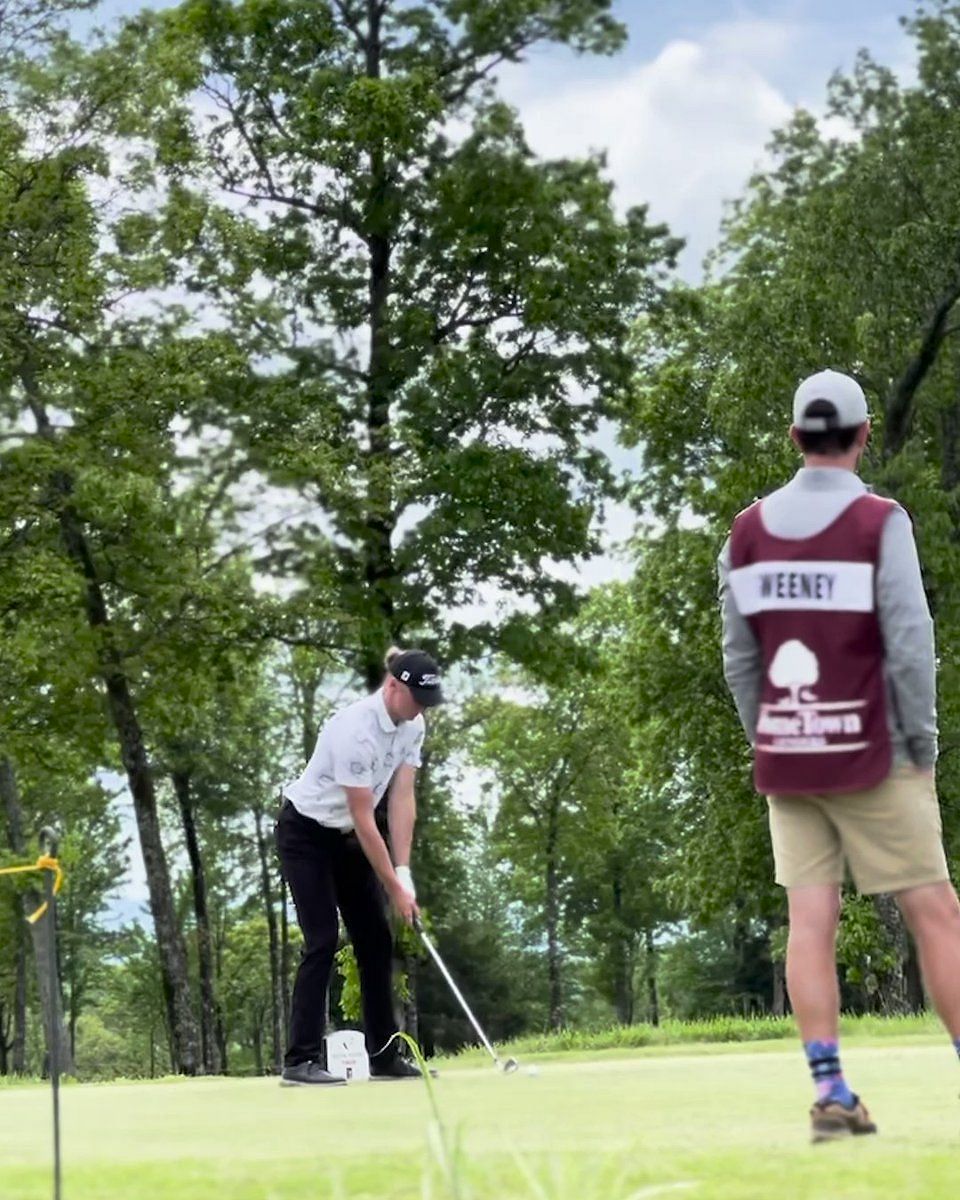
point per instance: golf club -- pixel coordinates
(507, 1066)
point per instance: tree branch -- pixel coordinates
(351, 19)
(900, 403)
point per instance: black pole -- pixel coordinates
(48, 845)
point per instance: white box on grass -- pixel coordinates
(347, 1054)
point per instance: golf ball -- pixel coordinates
(533, 1070)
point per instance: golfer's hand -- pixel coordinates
(405, 904)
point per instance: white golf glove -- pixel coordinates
(406, 881)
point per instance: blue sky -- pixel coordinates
(686, 109)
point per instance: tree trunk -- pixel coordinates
(73, 1007)
(258, 1043)
(892, 997)
(411, 1010)
(285, 955)
(916, 997)
(18, 1057)
(42, 933)
(277, 1023)
(899, 406)
(553, 919)
(779, 988)
(221, 1030)
(6, 1042)
(222, 1042)
(377, 554)
(622, 965)
(653, 998)
(307, 687)
(123, 712)
(950, 448)
(210, 1048)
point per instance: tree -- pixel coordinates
(27, 24)
(43, 934)
(541, 756)
(93, 857)
(843, 253)
(446, 315)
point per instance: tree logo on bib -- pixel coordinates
(800, 722)
(795, 667)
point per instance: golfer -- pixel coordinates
(828, 651)
(334, 857)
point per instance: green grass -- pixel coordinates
(712, 1030)
(725, 1123)
(714, 1035)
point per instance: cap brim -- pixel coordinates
(427, 697)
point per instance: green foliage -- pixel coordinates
(863, 947)
(712, 1030)
(346, 964)
(126, 1034)
(484, 286)
(841, 253)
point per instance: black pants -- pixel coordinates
(326, 870)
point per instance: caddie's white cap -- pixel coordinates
(829, 400)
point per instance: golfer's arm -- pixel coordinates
(361, 804)
(402, 813)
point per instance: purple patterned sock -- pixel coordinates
(956, 1046)
(824, 1060)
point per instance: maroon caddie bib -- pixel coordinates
(811, 602)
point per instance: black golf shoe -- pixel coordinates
(395, 1066)
(309, 1074)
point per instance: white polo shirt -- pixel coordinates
(359, 746)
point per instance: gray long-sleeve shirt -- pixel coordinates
(814, 498)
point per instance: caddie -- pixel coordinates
(828, 651)
(334, 857)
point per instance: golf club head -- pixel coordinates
(509, 1065)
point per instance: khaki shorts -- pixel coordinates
(889, 835)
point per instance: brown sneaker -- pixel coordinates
(829, 1120)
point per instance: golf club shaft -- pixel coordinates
(434, 954)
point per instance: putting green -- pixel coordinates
(730, 1126)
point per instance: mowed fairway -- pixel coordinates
(723, 1122)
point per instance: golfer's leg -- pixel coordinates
(933, 915)
(307, 870)
(811, 960)
(363, 907)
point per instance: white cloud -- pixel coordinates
(682, 132)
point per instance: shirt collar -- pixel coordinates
(828, 479)
(380, 706)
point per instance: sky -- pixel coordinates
(686, 109)
(684, 114)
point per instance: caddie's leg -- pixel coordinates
(815, 996)
(933, 914)
(811, 960)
